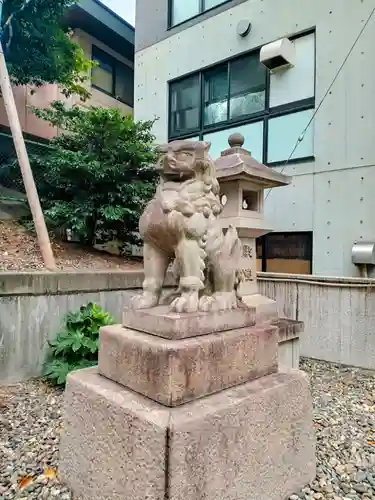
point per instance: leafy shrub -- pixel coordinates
(77, 346)
(38, 46)
(97, 176)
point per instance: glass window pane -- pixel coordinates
(253, 133)
(102, 79)
(125, 84)
(296, 83)
(247, 86)
(283, 133)
(216, 95)
(185, 99)
(209, 4)
(102, 75)
(183, 10)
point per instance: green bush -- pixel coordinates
(77, 346)
(97, 176)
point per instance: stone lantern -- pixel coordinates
(242, 183)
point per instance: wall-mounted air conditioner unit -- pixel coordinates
(278, 55)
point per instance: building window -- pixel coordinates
(112, 77)
(216, 95)
(285, 253)
(240, 95)
(182, 10)
(247, 86)
(253, 132)
(282, 133)
(185, 102)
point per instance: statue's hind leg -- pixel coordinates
(223, 260)
(224, 296)
(155, 267)
(190, 258)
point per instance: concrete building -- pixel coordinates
(198, 70)
(109, 40)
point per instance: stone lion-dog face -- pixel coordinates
(180, 224)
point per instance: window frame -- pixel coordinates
(170, 102)
(202, 11)
(261, 116)
(263, 242)
(114, 63)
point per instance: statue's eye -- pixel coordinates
(184, 155)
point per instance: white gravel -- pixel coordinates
(344, 404)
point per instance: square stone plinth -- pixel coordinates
(160, 321)
(264, 307)
(113, 442)
(252, 442)
(173, 372)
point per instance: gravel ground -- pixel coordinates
(30, 423)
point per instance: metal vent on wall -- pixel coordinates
(278, 55)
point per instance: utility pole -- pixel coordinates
(23, 160)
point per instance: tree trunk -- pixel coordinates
(23, 159)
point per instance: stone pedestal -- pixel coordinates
(289, 333)
(188, 416)
(265, 308)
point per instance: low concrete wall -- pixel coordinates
(338, 314)
(33, 307)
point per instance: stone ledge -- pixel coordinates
(314, 279)
(289, 329)
(59, 283)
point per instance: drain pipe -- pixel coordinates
(364, 271)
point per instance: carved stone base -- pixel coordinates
(161, 322)
(173, 372)
(252, 442)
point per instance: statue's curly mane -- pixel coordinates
(207, 167)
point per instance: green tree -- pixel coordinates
(97, 176)
(38, 47)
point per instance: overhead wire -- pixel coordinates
(302, 135)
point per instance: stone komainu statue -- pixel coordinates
(181, 225)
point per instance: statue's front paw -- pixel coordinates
(145, 301)
(205, 303)
(187, 302)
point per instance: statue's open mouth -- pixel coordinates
(177, 175)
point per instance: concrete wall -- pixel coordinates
(33, 307)
(152, 21)
(25, 98)
(332, 195)
(339, 315)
